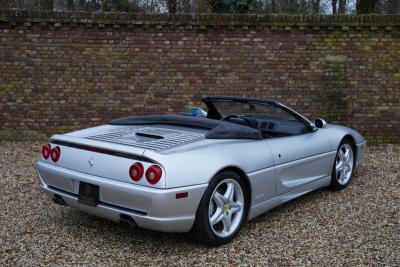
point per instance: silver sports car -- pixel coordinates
(199, 172)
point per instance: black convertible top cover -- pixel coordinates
(218, 129)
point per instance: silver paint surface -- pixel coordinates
(278, 169)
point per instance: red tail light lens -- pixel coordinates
(136, 171)
(153, 174)
(46, 150)
(55, 154)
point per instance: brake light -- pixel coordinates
(55, 153)
(136, 171)
(46, 149)
(153, 174)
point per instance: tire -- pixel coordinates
(343, 166)
(212, 225)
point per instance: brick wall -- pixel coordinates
(65, 71)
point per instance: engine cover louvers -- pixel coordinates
(148, 137)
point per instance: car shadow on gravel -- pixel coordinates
(98, 227)
(121, 232)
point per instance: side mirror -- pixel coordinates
(197, 112)
(320, 123)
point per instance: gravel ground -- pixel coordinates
(355, 226)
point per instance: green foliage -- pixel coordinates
(231, 6)
(93, 5)
(48, 4)
(115, 5)
(366, 6)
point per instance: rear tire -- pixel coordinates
(222, 210)
(343, 166)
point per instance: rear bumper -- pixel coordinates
(151, 208)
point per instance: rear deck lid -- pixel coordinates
(151, 138)
(109, 153)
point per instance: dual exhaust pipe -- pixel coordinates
(127, 220)
(58, 200)
(123, 218)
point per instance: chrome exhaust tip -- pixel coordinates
(126, 219)
(58, 200)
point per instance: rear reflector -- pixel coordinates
(182, 195)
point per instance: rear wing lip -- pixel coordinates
(101, 147)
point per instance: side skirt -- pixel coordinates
(279, 200)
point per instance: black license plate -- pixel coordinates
(88, 194)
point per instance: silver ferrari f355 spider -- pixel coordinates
(199, 172)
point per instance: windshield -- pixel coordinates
(261, 111)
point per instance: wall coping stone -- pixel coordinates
(285, 21)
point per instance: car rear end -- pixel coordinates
(114, 180)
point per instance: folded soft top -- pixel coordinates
(218, 129)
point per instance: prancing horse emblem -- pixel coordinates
(91, 161)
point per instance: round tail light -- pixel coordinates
(46, 150)
(153, 174)
(136, 171)
(55, 154)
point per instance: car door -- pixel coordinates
(301, 159)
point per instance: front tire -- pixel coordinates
(343, 167)
(222, 209)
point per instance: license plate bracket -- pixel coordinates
(88, 194)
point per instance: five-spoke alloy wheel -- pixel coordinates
(222, 209)
(343, 166)
(226, 208)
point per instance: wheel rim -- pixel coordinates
(226, 208)
(344, 164)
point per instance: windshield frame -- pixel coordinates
(213, 112)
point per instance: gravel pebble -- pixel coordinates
(356, 226)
